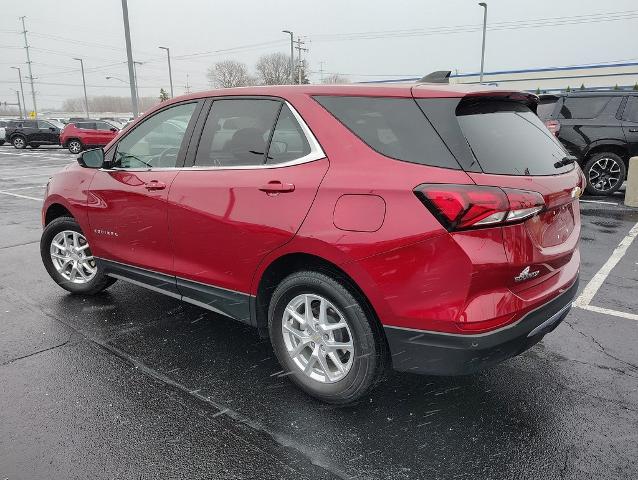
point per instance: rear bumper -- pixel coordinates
(434, 353)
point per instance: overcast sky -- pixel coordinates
(409, 38)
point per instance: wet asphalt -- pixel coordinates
(132, 384)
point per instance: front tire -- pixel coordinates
(75, 146)
(323, 336)
(67, 258)
(19, 142)
(605, 173)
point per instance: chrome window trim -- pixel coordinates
(316, 153)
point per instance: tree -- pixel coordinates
(273, 69)
(538, 90)
(636, 86)
(569, 89)
(335, 78)
(616, 87)
(163, 96)
(228, 73)
(582, 86)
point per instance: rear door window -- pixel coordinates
(288, 140)
(508, 138)
(394, 127)
(583, 107)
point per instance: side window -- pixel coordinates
(103, 126)
(237, 132)
(632, 110)
(156, 141)
(44, 125)
(288, 140)
(583, 107)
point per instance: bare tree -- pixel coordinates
(273, 69)
(107, 103)
(228, 73)
(335, 78)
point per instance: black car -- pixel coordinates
(33, 133)
(600, 129)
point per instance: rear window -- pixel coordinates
(583, 107)
(394, 127)
(546, 108)
(508, 138)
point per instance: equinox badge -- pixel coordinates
(526, 275)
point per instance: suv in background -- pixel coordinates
(432, 228)
(80, 135)
(600, 129)
(33, 133)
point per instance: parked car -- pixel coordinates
(80, 135)
(433, 228)
(61, 120)
(3, 124)
(33, 133)
(600, 129)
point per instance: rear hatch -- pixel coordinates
(526, 184)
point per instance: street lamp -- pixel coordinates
(292, 56)
(24, 105)
(86, 100)
(115, 78)
(170, 73)
(484, 5)
(18, 104)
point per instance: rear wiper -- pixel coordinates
(568, 160)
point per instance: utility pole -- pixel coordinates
(86, 99)
(137, 90)
(292, 56)
(321, 71)
(170, 73)
(484, 5)
(299, 48)
(24, 105)
(26, 47)
(187, 86)
(19, 106)
(129, 56)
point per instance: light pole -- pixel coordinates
(115, 78)
(292, 56)
(484, 5)
(86, 99)
(24, 105)
(170, 73)
(18, 104)
(129, 56)
(137, 90)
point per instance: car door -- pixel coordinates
(630, 125)
(127, 207)
(237, 203)
(103, 133)
(47, 133)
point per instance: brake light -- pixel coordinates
(553, 126)
(460, 207)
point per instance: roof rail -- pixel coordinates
(440, 76)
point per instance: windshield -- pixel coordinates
(508, 138)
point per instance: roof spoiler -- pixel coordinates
(440, 76)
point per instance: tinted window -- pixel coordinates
(288, 140)
(156, 141)
(236, 132)
(507, 138)
(394, 127)
(103, 126)
(86, 125)
(583, 107)
(546, 107)
(632, 110)
(44, 125)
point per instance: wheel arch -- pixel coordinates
(619, 148)
(56, 210)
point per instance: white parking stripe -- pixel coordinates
(28, 176)
(23, 188)
(586, 296)
(32, 167)
(598, 201)
(607, 311)
(2, 192)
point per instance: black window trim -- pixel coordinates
(316, 151)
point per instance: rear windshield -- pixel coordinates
(394, 127)
(583, 107)
(508, 138)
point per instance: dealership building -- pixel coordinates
(551, 79)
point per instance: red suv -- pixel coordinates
(78, 136)
(428, 227)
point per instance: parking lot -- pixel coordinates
(133, 384)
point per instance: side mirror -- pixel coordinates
(113, 129)
(53, 129)
(93, 158)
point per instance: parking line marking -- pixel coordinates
(599, 201)
(607, 311)
(32, 167)
(23, 188)
(21, 196)
(586, 296)
(27, 176)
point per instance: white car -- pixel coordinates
(3, 123)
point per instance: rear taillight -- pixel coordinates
(553, 126)
(460, 207)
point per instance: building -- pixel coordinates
(551, 79)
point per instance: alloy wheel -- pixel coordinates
(317, 338)
(75, 146)
(604, 174)
(72, 258)
(18, 142)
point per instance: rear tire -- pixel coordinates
(57, 248)
(19, 142)
(75, 146)
(311, 353)
(605, 173)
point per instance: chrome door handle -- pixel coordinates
(155, 185)
(276, 186)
